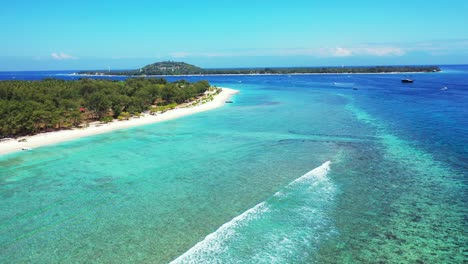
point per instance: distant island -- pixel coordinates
(182, 68)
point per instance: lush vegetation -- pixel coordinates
(374, 69)
(182, 68)
(170, 68)
(28, 107)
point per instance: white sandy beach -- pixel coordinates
(55, 137)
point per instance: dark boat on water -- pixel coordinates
(407, 80)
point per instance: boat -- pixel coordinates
(229, 102)
(407, 80)
(26, 148)
(444, 88)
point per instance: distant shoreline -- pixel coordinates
(50, 138)
(241, 74)
(174, 68)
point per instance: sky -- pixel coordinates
(85, 35)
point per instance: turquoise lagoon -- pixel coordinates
(299, 169)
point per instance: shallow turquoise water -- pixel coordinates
(395, 191)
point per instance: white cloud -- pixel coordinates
(361, 50)
(376, 51)
(381, 51)
(341, 52)
(61, 56)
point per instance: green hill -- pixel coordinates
(170, 68)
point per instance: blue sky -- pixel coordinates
(61, 35)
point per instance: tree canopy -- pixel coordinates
(29, 107)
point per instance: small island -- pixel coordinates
(181, 68)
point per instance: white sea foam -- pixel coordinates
(210, 244)
(214, 243)
(319, 172)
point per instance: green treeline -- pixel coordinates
(376, 69)
(182, 68)
(29, 107)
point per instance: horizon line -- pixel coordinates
(257, 67)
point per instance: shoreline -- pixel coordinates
(55, 137)
(246, 74)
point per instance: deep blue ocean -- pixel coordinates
(336, 168)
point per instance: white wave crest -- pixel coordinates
(319, 172)
(213, 244)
